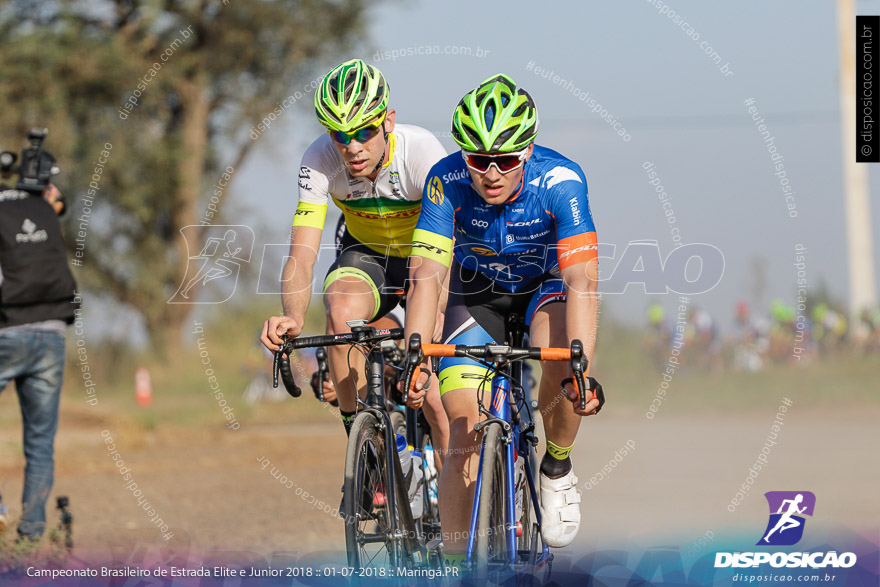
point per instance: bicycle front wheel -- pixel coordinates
(369, 536)
(491, 541)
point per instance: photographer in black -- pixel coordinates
(36, 305)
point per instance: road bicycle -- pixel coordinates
(401, 421)
(380, 529)
(504, 538)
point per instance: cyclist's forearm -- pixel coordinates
(296, 290)
(424, 297)
(422, 310)
(581, 321)
(296, 284)
(582, 311)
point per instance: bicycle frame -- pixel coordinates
(502, 408)
(375, 404)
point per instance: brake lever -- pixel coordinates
(578, 365)
(276, 363)
(413, 358)
(321, 356)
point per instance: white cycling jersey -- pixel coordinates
(380, 214)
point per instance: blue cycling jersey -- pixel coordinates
(545, 225)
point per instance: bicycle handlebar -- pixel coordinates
(281, 364)
(367, 335)
(496, 353)
(358, 335)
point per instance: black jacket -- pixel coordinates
(37, 283)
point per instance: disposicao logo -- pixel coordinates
(785, 528)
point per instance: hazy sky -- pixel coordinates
(682, 113)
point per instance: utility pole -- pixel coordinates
(860, 249)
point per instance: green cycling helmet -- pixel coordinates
(352, 94)
(496, 117)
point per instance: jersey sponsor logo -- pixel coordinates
(304, 186)
(386, 214)
(357, 194)
(428, 247)
(525, 223)
(509, 239)
(435, 191)
(304, 173)
(479, 223)
(575, 211)
(476, 376)
(532, 236)
(393, 177)
(556, 175)
(486, 252)
(580, 249)
(456, 175)
(302, 212)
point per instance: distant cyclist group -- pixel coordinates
(760, 339)
(500, 228)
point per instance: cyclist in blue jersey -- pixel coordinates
(525, 243)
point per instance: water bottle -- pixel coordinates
(519, 481)
(430, 475)
(412, 461)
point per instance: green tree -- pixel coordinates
(223, 65)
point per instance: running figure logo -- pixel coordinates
(786, 526)
(221, 251)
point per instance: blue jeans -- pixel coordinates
(35, 360)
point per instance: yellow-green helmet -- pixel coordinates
(496, 117)
(655, 313)
(352, 94)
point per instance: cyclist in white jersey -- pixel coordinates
(375, 171)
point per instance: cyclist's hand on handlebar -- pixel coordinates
(595, 391)
(329, 389)
(276, 327)
(419, 386)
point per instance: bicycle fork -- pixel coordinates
(499, 412)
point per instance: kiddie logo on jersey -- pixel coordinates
(785, 528)
(435, 191)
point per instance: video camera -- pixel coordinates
(37, 167)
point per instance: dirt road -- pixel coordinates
(216, 491)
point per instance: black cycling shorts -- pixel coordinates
(385, 274)
(479, 316)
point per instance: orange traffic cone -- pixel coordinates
(143, 387)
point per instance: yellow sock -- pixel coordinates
(558, 452)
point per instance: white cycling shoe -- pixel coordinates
(560, 505)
